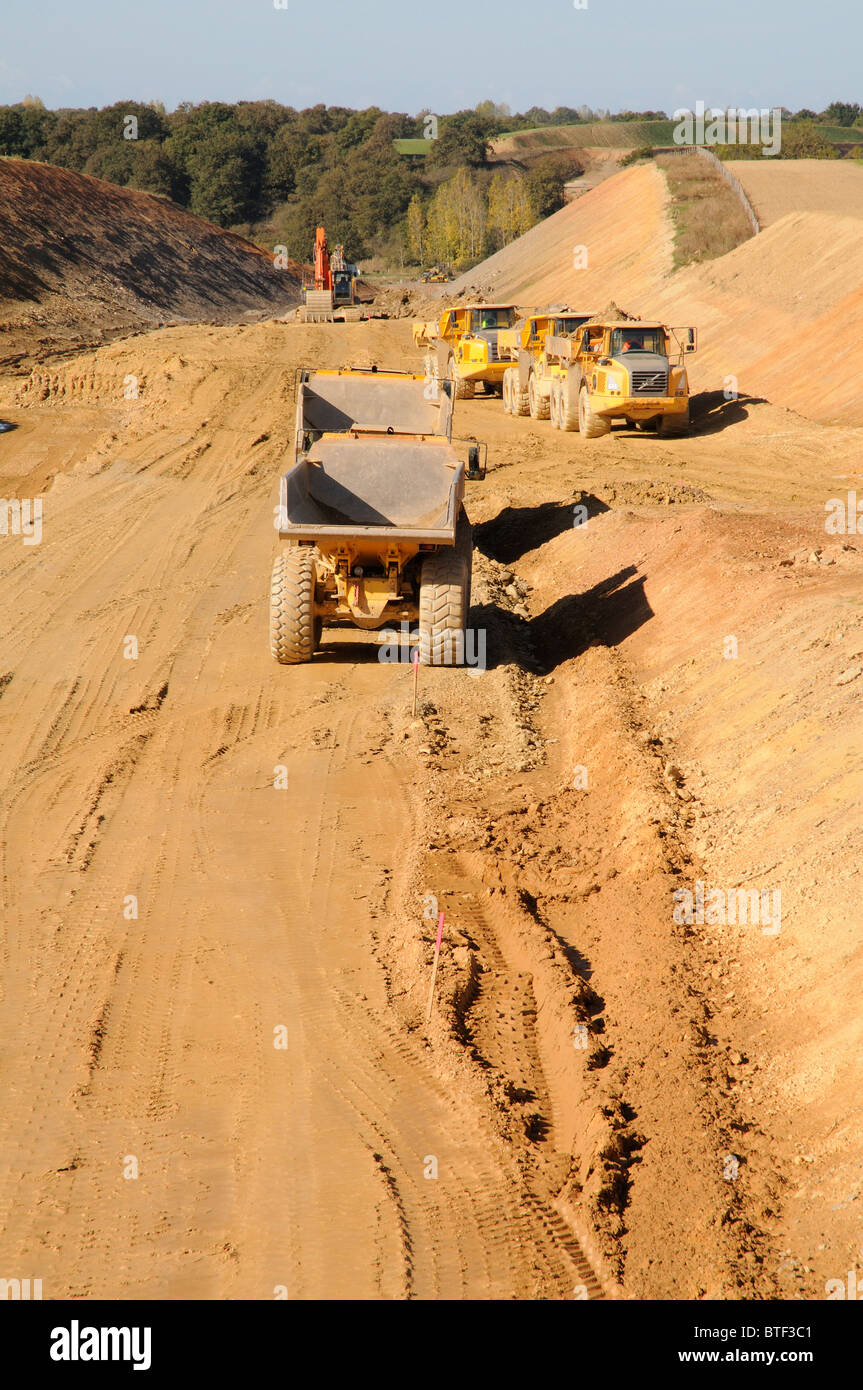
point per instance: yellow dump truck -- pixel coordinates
(462, 346)
(629, 370)
(371, 521)
(527, 386)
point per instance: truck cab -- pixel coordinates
(463, 346)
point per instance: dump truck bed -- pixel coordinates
(384, 486)
(374, 462)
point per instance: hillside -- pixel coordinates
(80, 257)
(622, 135)
(799, 279)
(624, 228)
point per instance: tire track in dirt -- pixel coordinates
(145, 1040)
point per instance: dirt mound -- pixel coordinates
(80, 257)
(616, 239)
(613, 313)
(761, 308)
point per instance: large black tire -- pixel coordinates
(445, 600)
(537, 403)
(295, 631)
(554, 405)
(568, 405)
(672, 425)
(462, 390)
(592, 426)
(520, 399)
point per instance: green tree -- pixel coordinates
(416, 225)
(458, 220)
(842, 112)
(13, 139)
(510, 213)
(547, 179)
(225, 176)
(462, 139)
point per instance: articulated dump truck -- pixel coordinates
(372, 526)
(620, 370)
(462, 347)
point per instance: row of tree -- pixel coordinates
(277, 172)
(473, 215)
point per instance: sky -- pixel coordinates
(435, 55)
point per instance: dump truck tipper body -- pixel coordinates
(528, 387)
(372, 514)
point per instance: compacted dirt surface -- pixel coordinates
(221, 878)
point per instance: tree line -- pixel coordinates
(276, 172)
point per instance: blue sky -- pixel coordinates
(440, 55)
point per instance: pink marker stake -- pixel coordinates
(434, 968)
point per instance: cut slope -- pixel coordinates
(780, 315)
(78, 254)
(776, 187)
(621, 228)
(759, 310)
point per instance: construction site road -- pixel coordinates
(220, 877)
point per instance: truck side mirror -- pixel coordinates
(690, 340)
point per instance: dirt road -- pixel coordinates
(219, 1079)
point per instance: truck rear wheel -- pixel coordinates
(554, 406)
(295, 631)
(462, 390)
(445, 599)
(671, 425)
(520, 399)
(591, 425)
(537, 403)
(569, 417)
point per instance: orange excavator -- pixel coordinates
(323, 272)
(332, 285)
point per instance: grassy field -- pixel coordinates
(613, 134)
(418, 146)
(709, 219)
(622, 135)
